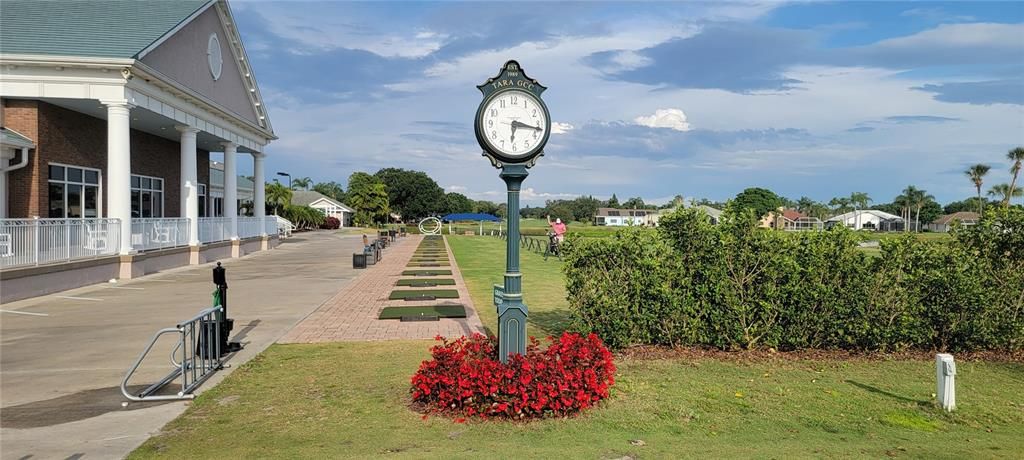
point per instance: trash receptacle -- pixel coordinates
(359, 260)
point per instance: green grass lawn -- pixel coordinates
(482, 262)
(350, 400)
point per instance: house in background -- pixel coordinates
(213, 204)
(792, 220)
(329, 206)
(867, 219)
(622, 217)
(116, 107)
(945, 223)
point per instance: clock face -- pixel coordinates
(513, 123)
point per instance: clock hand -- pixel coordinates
(519, 124)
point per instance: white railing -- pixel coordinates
(159, 233)
(270, 227)
(26, 242)
(283, 227)
(251, 227)
(214, 229)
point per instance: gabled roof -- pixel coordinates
(95, 28)
(873, 212)
(962, 216)
(792, 214)
(309, 197)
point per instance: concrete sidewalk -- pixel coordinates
(63, 356)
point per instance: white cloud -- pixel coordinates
(959, 36)
(561, 128)
(455, 188)
(665, 118)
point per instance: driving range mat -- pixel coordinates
(441, 311)
(426, 282)
(435, 293)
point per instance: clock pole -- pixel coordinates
(512, 312)
(512, 80)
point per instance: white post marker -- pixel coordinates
(945, 374)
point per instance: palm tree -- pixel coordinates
(904, 203)
(805, 205)
(976, 174)
(917, 198)
(859, 200)
(302, 183)
(1002, 191)
(278, 195)
(914, 198)
(1017, 157)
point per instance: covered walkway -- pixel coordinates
(64, 354)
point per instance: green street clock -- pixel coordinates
(512, 123)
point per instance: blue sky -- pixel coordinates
(653, 99)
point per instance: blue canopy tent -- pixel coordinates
(474, 217)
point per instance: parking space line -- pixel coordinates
(23, 313)
(126, 287)
(90, 299)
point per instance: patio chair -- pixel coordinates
(95, 238)
(5, 245)
(162, 233)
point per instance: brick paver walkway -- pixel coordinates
(351, 315)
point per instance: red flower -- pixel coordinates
(466, 378)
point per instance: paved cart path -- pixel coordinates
(63, 356)
(351, 315)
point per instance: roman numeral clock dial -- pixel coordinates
(512, 123)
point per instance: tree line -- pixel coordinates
(412, 195)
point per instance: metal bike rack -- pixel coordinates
(200, 352)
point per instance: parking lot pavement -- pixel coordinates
(62, 356)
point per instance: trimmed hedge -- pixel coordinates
(737, 286)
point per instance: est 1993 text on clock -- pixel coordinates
(512, 123)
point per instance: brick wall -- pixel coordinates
(72, 138)
(22, 192)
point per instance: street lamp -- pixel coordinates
(289, 176)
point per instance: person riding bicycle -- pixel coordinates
(558, 228)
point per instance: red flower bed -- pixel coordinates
(465, 377)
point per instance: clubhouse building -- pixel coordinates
(110, 112)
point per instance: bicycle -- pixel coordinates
(554, 248)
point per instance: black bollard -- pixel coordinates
(226, 324)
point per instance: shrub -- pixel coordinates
(738, 286)
(465, 377)
(331, 223)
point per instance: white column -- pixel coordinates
(231, 188)
(189, 182)
(259, 198)
(119, 169)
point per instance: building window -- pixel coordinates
(147, 196)
(74, 192)
(613, 213)
(202, 200)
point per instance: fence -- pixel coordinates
(27, 242)
(199, 351)
(249, 227)
(213, 229)
(528, 243)
(159, 233)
